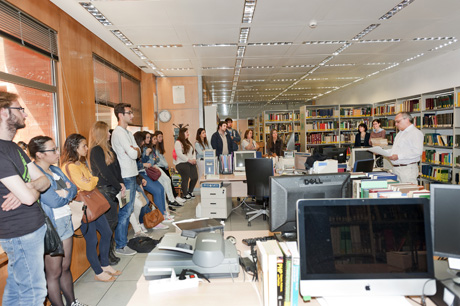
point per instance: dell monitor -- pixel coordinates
(286, 190)
(445, 216)
(365, 248)
(239, 157)
(339, 154)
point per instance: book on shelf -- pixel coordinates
(436, 139)
(387, 109)
(287, 270)
(272, 257)
(431, 156)
(295, 272)
(433, 120)
(409, 106)
(444, 101)
(356, 111)
(262, 271)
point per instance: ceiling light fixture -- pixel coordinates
(176, 69)
(379, 40)
(284, 80)
(240, 51)
(347, 78)
(258, 67)
(96, 13)
(432, 38)
(412, 58)
(122, 37)
(325, 42)
(271, 44)
(366, 31)
(252, 81)
(244, 34)
(377, 64)
(215, 45)
(396, 9)
(139, 53)
(322, 63)
(248, 12)
(160, 46)
(151, 65)
(216, 68)
(339, 65)
(443, 45)
(341, 49)
(298, 66)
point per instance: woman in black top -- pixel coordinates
(104, 165)
(362, 137)
(274, 145)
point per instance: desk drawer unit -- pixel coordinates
(216, 202)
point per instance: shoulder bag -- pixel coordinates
(153, 218)
(95, 204)
(153, 173)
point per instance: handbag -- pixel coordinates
(153, 173)
(76, 207)
(153, 218)
(95, 204)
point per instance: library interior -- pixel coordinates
(287, 152)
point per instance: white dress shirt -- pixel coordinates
(122, 140)
(408, 144)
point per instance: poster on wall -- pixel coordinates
(178, 94)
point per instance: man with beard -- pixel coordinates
(22, 224)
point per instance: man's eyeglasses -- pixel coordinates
(22, 109)
(128, 113)
(51, 150)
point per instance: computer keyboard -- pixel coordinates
(252, 241)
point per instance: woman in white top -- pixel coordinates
(201, 143)
(248, 143)
(186, 163)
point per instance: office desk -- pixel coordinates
(238, 182)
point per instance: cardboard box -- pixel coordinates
(403, 260)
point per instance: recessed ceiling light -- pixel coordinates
(347, 78)
(176, 69)
(96, 13)
(258, 67)
(217, 68)
(244, 34)
(409, 59)
(379, 40)
(284, 80)
(301, 88)
(316, 79)
(252, 81)
(325, 42)
(377, 64)
(220, 82)
(443, 45)
(298, 66)
(139, 53)
(122, 37)
(365, 31)
(327, 59)
(339, 65)
(248, 12)
(160, 46)
(240, 51)
(215, 45)
(271, 44)
(396, 9)
(341, 49)
(433, 38)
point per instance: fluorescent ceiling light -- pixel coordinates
(244, 34)
(365, 31)
(251, 81)
(176, 69)
(347, 78)
(215, 45)
(410, 59)
(341, 49)
(271, 44)
(95, 12)
(159, 46)
(217, 68)
(122, 37)
(284, 80)
(298, 66)
(443, 45)
(325, 42)
(396, 9)
(248, 12)
(258, 67)
(240, 51)
(377, 64)
(322, 63)
(339, 65)
(139, 53)
(379, 40)
(433, 38)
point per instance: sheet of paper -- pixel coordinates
(378, 150)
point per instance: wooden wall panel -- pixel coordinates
(187, 113)
(147, 97)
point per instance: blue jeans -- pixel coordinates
(26, 283)
(157, 191)
(121, 231)
(89, 229)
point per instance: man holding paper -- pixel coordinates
(407, 149)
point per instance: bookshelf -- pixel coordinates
(319, 126)
(351, 116)
(285, 122)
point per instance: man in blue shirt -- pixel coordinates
(233, 134)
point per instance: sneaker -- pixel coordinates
(125, 251)
(176, 204)
(145, 230)
(188, 197)
(171, 208)
(77, 303)
(191, 195)
(161, 226)
(168, 218)
(180, 200)
(140, 234)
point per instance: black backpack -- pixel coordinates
(142, 244)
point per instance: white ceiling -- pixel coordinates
(197, 22)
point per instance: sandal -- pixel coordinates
(104, 277)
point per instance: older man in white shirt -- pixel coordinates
(407, 149)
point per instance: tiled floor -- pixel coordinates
(118, 293)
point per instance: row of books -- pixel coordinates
(445, 101)
(457, 161)
(321, 138)
(353, 124)
(387, 123)
(440, 174)
(321, 125)
(431, 156)
(409, 106)
(436, 139)
(438, 120)
(356, 112)
(322, 113)
(278, 266)
(457, 140)
(387, 109)
(280, 127)
(280, 116)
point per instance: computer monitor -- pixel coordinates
(360, 154)
(365, 165)
(339, 154)
(445, 216)
(239, 157)
(286, 190)
(365, 247)
(290, 143)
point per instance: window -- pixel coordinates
(113, 86)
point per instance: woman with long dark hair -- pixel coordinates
(104, 164)
(186, 163)
(55, 202)
(74, 166)
(274, 144)
(201, 143)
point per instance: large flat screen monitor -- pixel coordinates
(239, 157)
(286, 190)
(365, 247)
(339, 154)
(445, 223)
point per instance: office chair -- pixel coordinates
(258, 172)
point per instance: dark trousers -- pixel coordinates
(189, 176)
(169, 175)
(89, 229)
(110, 194)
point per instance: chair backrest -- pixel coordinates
(258, 172)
